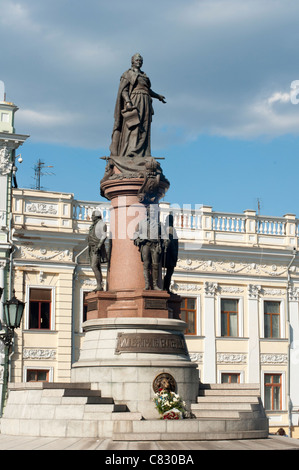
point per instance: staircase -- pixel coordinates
(226, 411)
(228, 401)
(61, 410)
(222, 411)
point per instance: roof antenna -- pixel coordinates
(38, 173)
(258, 206)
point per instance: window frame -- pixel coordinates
(230, 373)
(27, 308)
(5, 118)
(50, 371)
(282, 374)
(240, 327)
(272, 385)
(282, 329)
(270, 316)
(197, 310)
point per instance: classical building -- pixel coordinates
(9, 142)
(237, 274)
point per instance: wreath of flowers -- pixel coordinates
(169, 404)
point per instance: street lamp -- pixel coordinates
(13, 312)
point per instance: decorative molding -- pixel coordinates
(210, 288)
(293, 294)
(44, 255)
(274, 358)
(231, 290)
(269, 291)
(39, 354)
(231, 267)
(187, 264)
(180, 286)
(88, 282)
(196, 357)
(41, 208)
(5, 161)
(231, 358)
(254, 291)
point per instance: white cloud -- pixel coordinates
(225, 66)
(41, 119)
(16, 17)
(279, 97)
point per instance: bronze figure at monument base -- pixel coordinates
(165, 381)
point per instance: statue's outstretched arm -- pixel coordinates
(157, 96)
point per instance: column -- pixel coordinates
(209, 369)
(2, 270)
(253, 334)
(294, 347)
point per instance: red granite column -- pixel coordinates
(126, 269)
(125, 296)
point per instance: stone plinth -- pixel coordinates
(123, 356)
(129, 303)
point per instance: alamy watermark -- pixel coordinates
(294, 94)
(179, 222)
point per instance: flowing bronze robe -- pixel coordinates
(133, 140)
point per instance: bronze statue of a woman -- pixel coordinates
(131, 136)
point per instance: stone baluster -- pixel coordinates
(290, 230)
(250, 226)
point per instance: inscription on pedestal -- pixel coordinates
(151, 343)
(158, 304)
(92, 305)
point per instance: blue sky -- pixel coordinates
(229, 131)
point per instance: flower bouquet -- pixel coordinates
(169, 404)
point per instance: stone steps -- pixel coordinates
(197, 436)
(222, 411)
(75, 410)
(228, 401)
(223, 405)
(218, 399)
(228, 392)
(193, 429)
(61, 410)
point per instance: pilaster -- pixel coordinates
(209, 369)
(253, 333)
(294, 346)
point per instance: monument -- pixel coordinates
(133, 332)
(134, 352)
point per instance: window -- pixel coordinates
(40, 309)
(272, 392)
(229, 317)
(85, 304)
(37, 375)
(272, 319)
(4, 117)
(228, 378)
(188, 315)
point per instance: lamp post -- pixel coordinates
(13, 312)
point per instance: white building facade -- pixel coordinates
(237, 274)
(9, 142)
